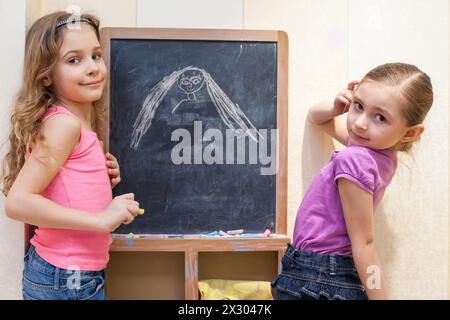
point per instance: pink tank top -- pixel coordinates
(82, 183)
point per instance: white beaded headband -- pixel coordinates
(73, 19)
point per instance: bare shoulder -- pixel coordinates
(61, 135)
(61, 129)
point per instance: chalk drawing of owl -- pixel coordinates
(190, 80)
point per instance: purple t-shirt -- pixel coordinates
(320, 225)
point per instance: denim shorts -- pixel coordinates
(313, 276)
(43, 281)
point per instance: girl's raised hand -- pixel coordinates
(344, 98)
(113, 169)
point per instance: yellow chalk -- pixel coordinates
(141, 211)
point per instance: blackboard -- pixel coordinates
(194, 125)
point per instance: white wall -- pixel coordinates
(11, 59)
(190, 14)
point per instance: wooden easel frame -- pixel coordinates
(191, 247)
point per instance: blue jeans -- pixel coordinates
(44, 281)
(312, 276)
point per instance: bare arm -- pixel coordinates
(358, 213)
(330, 116)
(25, 202)
(322, 116)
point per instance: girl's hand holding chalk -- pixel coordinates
(121, 210)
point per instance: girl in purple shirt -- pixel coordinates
(333, 254)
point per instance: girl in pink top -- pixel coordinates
(55, 175)
(333, 255)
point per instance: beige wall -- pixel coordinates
(11, 232)
(331, 41)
